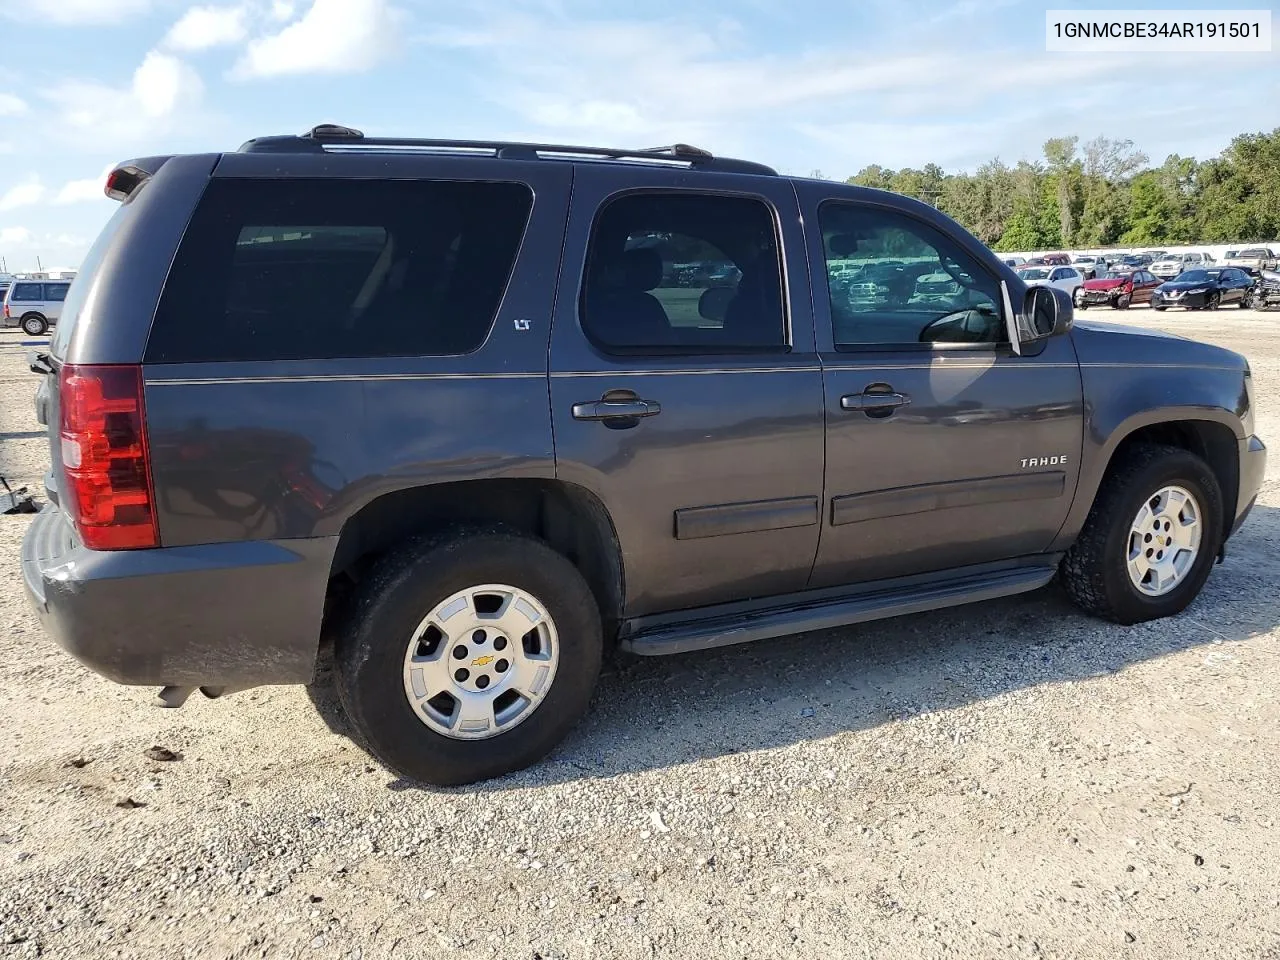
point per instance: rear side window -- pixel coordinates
(27, 293)
(671, 273)
(304, 269)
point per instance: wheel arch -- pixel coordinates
(1208, 433)
(568, 517)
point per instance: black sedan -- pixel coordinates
(1203, 289)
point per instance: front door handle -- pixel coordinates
(616, 409)
(874, 404)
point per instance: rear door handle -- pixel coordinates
(616, 409)
(872, 403)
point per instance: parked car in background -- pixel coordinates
(1202, 289)
(1170, 266)
(34, 305)
(1064, 278)
(1118, 287)
(1265, 292)
(1154, 255)
(1088, 265)
(1057, 259)
(1252, 259)
(1014, 261)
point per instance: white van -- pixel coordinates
(34, 305)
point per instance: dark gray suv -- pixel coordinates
(482, 411)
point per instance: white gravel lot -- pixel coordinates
(1006, 779)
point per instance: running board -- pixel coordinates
(802, 616)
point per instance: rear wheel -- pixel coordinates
(468, 657)
(34, 324)
(1150, 539)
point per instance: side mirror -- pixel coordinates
(1046, 312)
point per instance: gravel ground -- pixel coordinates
(1005, 779)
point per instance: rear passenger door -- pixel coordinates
(685, 391)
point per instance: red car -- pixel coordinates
(1118, 288)
(1057, 259)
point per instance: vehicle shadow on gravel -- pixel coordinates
(652, 713)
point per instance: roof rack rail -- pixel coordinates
(331, 137)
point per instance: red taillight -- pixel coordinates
(104, 457)
(6, 311)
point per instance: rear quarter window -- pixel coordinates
(299, 269)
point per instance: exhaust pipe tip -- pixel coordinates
(173, 697)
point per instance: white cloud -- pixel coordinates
(333, 36)
(203, 27)
(78, 191)
(15, 236)
(24, 194)
(76, 11)
(161, 82)
(101, 117)
(282, 10)
(11, 106)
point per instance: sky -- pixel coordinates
(803, 85)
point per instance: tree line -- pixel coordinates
(1105, 193)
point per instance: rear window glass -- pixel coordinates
(305, 269)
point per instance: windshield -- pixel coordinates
(1033, 274)
(1116, 274)
(1195, 276)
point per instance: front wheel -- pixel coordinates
(1249, 301)
(34, 325)
(1161, 309)
(1149, 542)
(1214, 301)
(1122, 302)
(468, 657)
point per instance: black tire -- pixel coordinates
(1122, 302)
(1081, 305)
(1246, 302)
(390, 603)
(1095, 571)
(34, 325)
(1214, 301)
(1161, 309)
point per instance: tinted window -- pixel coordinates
(1194, 276)
(684, 272)
(911, 284)
(55, 292)
(303, 269)
(27, 292)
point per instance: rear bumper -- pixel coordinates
(1253, 465)
(229, 614)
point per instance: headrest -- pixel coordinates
(714, 303)
(637, 270)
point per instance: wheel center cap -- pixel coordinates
(479, 660)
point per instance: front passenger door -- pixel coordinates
(944, 447)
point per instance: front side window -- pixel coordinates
(301, 269)
(55, 292)
(907, 282)
(671, 273)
